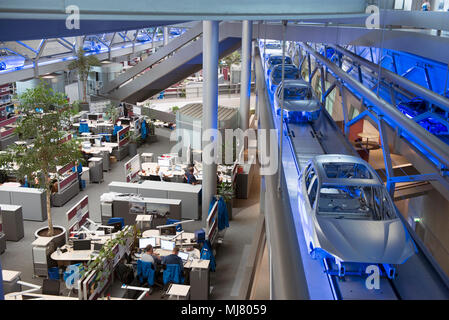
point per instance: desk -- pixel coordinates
(10, 279)
(71, 255)
(199, 279)
(188, 236)
(179, 291)
(195, 254)
(66, 258)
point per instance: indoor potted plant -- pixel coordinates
(83, 64)
(45, 118)
(226, 190)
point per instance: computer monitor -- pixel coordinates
(167, 245)
(93, 117)
(98, 246)
(51, 287)
(81, 245)
(143, 242)
(183, 255)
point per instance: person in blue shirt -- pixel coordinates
(79, 169)
(173, 258)
(189, 177)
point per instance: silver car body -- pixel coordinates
(305, 105)
(361, 228)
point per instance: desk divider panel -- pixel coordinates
(212, 224)
(91, 288)
(77, 215)
(132, 168)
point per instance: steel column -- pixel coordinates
(344, 106)
(245, 82)
(431, 144)
(210, 111)
(166, 36)
(386, 154)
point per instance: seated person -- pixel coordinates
(190, 177)
(150, 256)
(173, 258)
(159, 173)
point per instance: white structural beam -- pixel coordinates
(245, 83)
(210, 113)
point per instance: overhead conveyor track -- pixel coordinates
(418, 278)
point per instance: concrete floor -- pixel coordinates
(230, 257)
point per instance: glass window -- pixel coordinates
(273, 46)
(357, 202)
(344, 170)
(297, 93)
(312, 191)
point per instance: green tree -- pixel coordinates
(83, 64)
(44, 120)
(233, 58)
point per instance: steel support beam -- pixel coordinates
(210, 113)
(166, 35)
(245, 83)
(386, 155)
(398, 80)
(418, 135)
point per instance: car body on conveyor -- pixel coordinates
(300, 102)
(290, 72)
(271, 47)
(10, 61)
(275, 60)
(347, 213)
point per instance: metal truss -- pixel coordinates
(52, 53)
(382, 113)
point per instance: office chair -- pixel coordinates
(172, 274)
(146, 273)
(84, 127)
(178, 226)
(117, 219)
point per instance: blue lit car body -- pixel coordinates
(11, 61)
(290, 72)
(276, 60)
(300, 102)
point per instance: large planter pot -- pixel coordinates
(132, 149)
(59, 239)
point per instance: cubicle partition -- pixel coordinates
(190, 195)
(77, 215)
(93, 284)
(212, 224)
(122, 149)
(32, 200)
(7, 136)
(132, 168)
(129, 206)
(68, 186)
